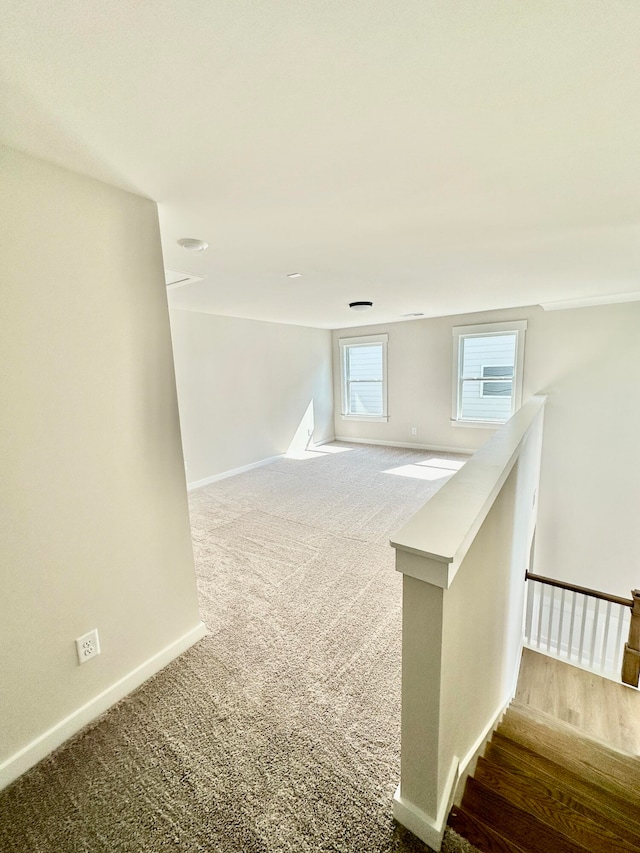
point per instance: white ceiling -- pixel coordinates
(434, 156)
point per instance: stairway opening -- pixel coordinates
(561, 772)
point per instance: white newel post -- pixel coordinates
(416, 803)
(463, 558)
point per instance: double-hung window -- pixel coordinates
(364, 377)
(499, 380)
(488, 365)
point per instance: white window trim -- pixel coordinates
(459, 332)
(365, 340)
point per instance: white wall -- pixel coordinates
(245, 389)
(94, 521)
(588, 361)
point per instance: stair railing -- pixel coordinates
(585, 627)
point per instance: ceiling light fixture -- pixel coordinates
(360, 306)
(415, 314)
(294, 275)
(193, 245)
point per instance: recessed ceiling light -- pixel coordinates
(294, 275)
(416, 314)
(360, 306)
(193, 245)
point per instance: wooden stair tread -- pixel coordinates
(616, 813)
(625, 759)
(553, 807)
(591, 761)
(476, 832)
(525, 829)
(546, 787)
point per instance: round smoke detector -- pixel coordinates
(193, 245)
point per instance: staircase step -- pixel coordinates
(626, 759)
(526, 830)
(590, 760)
(553, 807)
(544, 786)
(476, 832)
(616, 814)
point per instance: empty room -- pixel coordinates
(319, 427)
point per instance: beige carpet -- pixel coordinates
(280, 730)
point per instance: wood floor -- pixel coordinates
(545, 787)
(595, 705)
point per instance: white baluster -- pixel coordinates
(528, 626)
(596, 610)
(583, 623)
(605, 638)
(540, 609)
(571, 625)
(550, 625)
(559, 648)
(617, 657)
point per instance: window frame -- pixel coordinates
(363, 340)
(492, 380)
(517, 327)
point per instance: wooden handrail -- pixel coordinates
(603, 596)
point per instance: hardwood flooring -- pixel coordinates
(598, 707)
(544, 787)
(552, 778)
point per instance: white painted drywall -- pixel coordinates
(94, 521)
(587, 361)
(245, 389)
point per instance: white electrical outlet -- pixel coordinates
(88, 646)
(414, 430)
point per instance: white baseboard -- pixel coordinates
(54, 737)
(467, 765)
(436, 448)
(427, 828)
(431, 829)
(320, 443)
(198, 484)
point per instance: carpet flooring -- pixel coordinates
(279, 731)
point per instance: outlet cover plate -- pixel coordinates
(88, 646)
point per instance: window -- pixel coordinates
(364, 377)
(497, 388)
(488, 362)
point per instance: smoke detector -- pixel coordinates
(193, 245)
